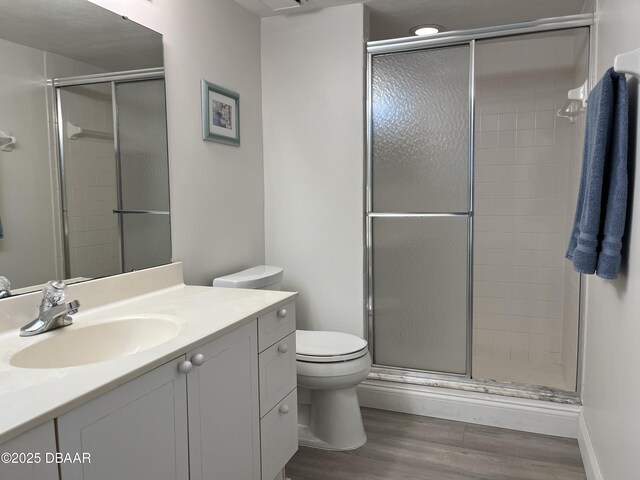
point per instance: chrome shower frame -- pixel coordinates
(439, 379)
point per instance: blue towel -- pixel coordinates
(596, 239)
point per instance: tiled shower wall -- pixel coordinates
(524, 157)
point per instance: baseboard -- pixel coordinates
(587, 452)
(515, 413)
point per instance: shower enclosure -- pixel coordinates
(113, 172)
(471, 186)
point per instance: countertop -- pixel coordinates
(29, 397)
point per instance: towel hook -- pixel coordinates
(628, 62)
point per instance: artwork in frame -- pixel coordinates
(220, 114)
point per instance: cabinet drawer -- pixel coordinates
(277, 365)
(279, 435)
(275, 325)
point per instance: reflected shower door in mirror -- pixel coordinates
(115, 179)
(59, 187)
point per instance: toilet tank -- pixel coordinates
(262, 277)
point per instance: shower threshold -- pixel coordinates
(458, 382)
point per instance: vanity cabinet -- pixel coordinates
(224, 411)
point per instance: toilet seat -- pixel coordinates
(326, 347)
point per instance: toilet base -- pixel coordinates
(333, 421)
(308, 439)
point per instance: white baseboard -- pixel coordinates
(587, 452)
(494, 410)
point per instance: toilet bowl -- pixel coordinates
(329, 367)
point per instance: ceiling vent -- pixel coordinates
(276, 5)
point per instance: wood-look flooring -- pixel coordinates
(403, 447)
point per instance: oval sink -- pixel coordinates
(71, 346)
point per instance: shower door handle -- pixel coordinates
(141, 212)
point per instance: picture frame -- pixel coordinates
(220, 114)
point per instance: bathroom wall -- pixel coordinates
(611, 386)
(217, 191)
(313, 90)
(27, 251)
(523, 160)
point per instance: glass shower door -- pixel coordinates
(419, 209)
(143, 174)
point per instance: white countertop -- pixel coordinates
(29, 397)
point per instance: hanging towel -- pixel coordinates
(596, 239)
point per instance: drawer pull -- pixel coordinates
(283, 348)
(198, 359)
(185, 367)
(284, 409)
(282, 313)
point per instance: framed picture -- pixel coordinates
(220, 114)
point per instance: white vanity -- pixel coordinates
(210, 395)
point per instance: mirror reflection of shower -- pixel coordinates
(113, 172)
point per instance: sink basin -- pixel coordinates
(78, 345)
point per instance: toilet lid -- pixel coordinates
(328, 346)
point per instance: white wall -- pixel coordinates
(612, 353)
(313, 90)
(217, 191)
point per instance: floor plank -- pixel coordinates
(403, 447)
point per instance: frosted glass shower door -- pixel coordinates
(419, 209)
(143, 174)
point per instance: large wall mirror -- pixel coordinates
(84, 182)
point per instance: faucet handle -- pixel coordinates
(5, 287)
(54, 292)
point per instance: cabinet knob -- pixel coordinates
(282, 313)
(197, 359)
(283, 348)
(185, 367)
(284, 409)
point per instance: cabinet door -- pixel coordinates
(224, 428)
(137, 431)
(40, 440)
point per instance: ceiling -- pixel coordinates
(81, 30)
(395, 18)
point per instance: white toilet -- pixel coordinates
(330, 365)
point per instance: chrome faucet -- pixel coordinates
(5, 287)
(52, 314)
